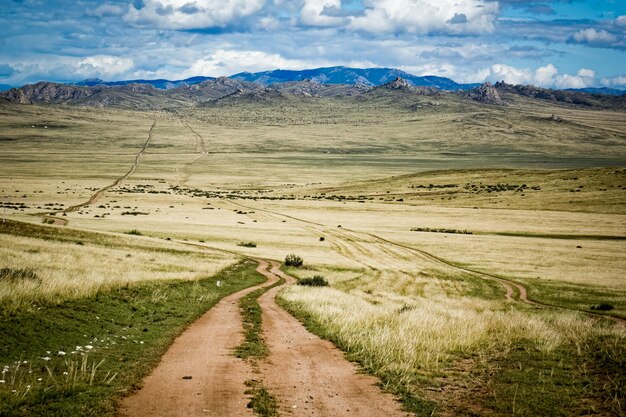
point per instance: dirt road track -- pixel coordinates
(204, 352)
(95, 197)
(310, 376)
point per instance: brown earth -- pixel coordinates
(204, 353)
(310, 376)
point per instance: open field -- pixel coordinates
(471, 251)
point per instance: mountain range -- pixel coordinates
(339, 75)
(274, 87)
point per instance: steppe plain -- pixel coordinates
(475, 253)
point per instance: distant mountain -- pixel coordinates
(603, 90)
(343, 75)
(563, 96)
(228, 90)
(5, 87)
(161, 84)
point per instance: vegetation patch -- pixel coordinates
(262, 402)
(17, 275)
(294, 260)
(441, 230)
(247, 244)
(81, 356)
(315, 281)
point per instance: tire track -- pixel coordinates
(204, 353)
(310, 376)
(182, 176)
(513, 290)
(95, 197)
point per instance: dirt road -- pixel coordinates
(310, 376)
(204, 353)
(99, 193)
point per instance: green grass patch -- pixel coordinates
(261, 402)
(79, 357)
(253, 345)
(581, 297)
(565, 382)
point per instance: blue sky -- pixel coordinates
(563, 43)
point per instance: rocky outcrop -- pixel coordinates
(485, 94)
(44, 92)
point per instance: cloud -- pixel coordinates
(427, 16)
(545, 76)
(228, 62)
(191, 14)
(105, 10)
(592, 35)
(103, 66)
(320, 13)
(621, 21)
(614, 81)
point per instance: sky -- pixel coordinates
(557, 44)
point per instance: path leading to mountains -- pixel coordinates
(310, 376)
(95, 197)
(204, 353)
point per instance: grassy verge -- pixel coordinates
(582, 375)
(577, 296)
(253, 347)
(79, 357)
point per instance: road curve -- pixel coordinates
(310, 376)
(204, 353)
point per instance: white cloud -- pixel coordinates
(427, 16)
(592, 35)
(312, 13)
(103, 66)
(105, 9)
(228, 62)
(187, 14)
(546, 76)
(614, 81)
(621, 20)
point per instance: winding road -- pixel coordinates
(200, 376)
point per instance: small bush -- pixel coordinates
(603, 307)
(293, 260)
(322, 239)
(316, 281)
(247, 244)
(17, 275)
(134, 232)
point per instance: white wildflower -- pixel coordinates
(88, 347)
(61, 353)
(46, 358)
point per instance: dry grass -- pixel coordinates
(79, 268)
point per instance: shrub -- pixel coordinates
(293, 260)
(316, 281)
(17, 275)
(134, 232)
(247, 244)
(603, 307)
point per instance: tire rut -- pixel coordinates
(203, 352)
(95, 197)
(310, 376)
(513, 290)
